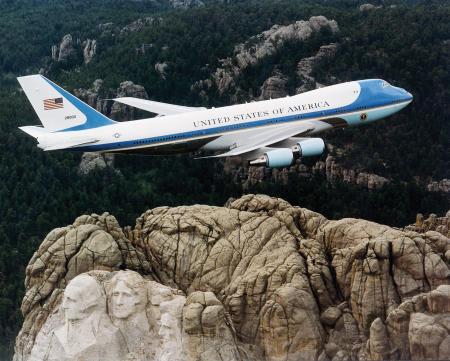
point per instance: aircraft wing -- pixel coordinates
(156, 107)
(268, 137)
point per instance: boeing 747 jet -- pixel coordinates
(272, 133)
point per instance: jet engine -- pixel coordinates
(277, 158)
(309, 147)
(284, 157)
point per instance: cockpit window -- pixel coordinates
(385, 84)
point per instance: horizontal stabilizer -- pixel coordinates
(34, 131)
(156, 107)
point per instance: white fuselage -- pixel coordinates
(226, 127)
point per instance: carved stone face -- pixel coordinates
(167, 328)
(82, 296)
(123, 301)
(73, 305)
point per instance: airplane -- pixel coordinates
(272, 133)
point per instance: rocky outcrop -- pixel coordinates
(185, 4)
(418, 329)
(439, 186)
(137, 25)
(127, 89)
(93, 97)
(334, 172)
(433, 223)
(92, 160)
(161, 69)
(64, 50)
(331, 168)
(368, 7)
(99, 97)
(258, 279)
(68, 47)
(261, 46)
(89, 50)
(306, 66)
(274, 87)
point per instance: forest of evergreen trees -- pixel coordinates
(407, 45)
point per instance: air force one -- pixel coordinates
(272, 133)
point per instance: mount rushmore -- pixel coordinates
(257, 279)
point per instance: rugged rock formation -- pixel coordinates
(306, 66)
(127, 89)
(161, 69)
(98, 97)
(368, 7)
(258, 279)
(331, 168)
(185, 4)
(137, 25)
(439, 186)
(89, 50)
(64, 50)
(92, 160)
(261, 46)
(274, 87)
(432, 223)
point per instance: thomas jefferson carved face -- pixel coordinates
(128, 294)
(82, 296)
(123, 300)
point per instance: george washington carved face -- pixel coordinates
(82, 296)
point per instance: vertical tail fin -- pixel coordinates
(57, 109)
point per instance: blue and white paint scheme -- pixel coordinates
(271, 132)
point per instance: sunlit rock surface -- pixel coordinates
(258, 279)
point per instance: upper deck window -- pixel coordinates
(385, 84)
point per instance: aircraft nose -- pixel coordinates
(404, 95)
(407, 96)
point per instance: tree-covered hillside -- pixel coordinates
(408, 45)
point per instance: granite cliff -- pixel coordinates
(257, 279)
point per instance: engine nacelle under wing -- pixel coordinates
(309, 147)
(284, 157)
(277, 158)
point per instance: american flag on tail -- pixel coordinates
(54, 103)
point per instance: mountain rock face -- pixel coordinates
(64, 50)
(258, 279)
(432, 223)
(98, 97)
(89, 50)
(306, 66)
(439, 186)
(274, 87)
(261, 46)
(93, 160)
(331, 168)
